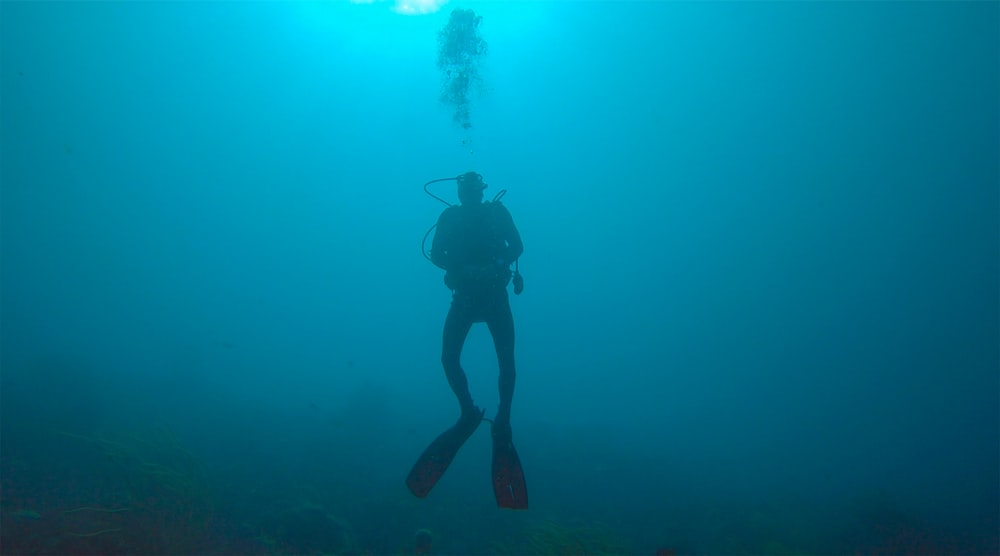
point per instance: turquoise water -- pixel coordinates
(761, 267)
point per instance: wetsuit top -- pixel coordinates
(475, 245)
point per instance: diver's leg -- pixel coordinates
(456, 329)
(434, 461)
(501, 324)
(509, 486)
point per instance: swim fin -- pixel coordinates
(508, 477)
(435, 460)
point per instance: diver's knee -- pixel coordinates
(506, 361)
(507, 372)
(450, 362)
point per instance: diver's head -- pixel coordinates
(470, 188)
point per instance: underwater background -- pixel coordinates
(761, 277)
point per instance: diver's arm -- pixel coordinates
(514, 245)
(441, 243)
(513, 238)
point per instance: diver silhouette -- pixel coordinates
(475, 244)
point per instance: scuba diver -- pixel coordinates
(475, 244)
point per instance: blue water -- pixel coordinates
(761, 268)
